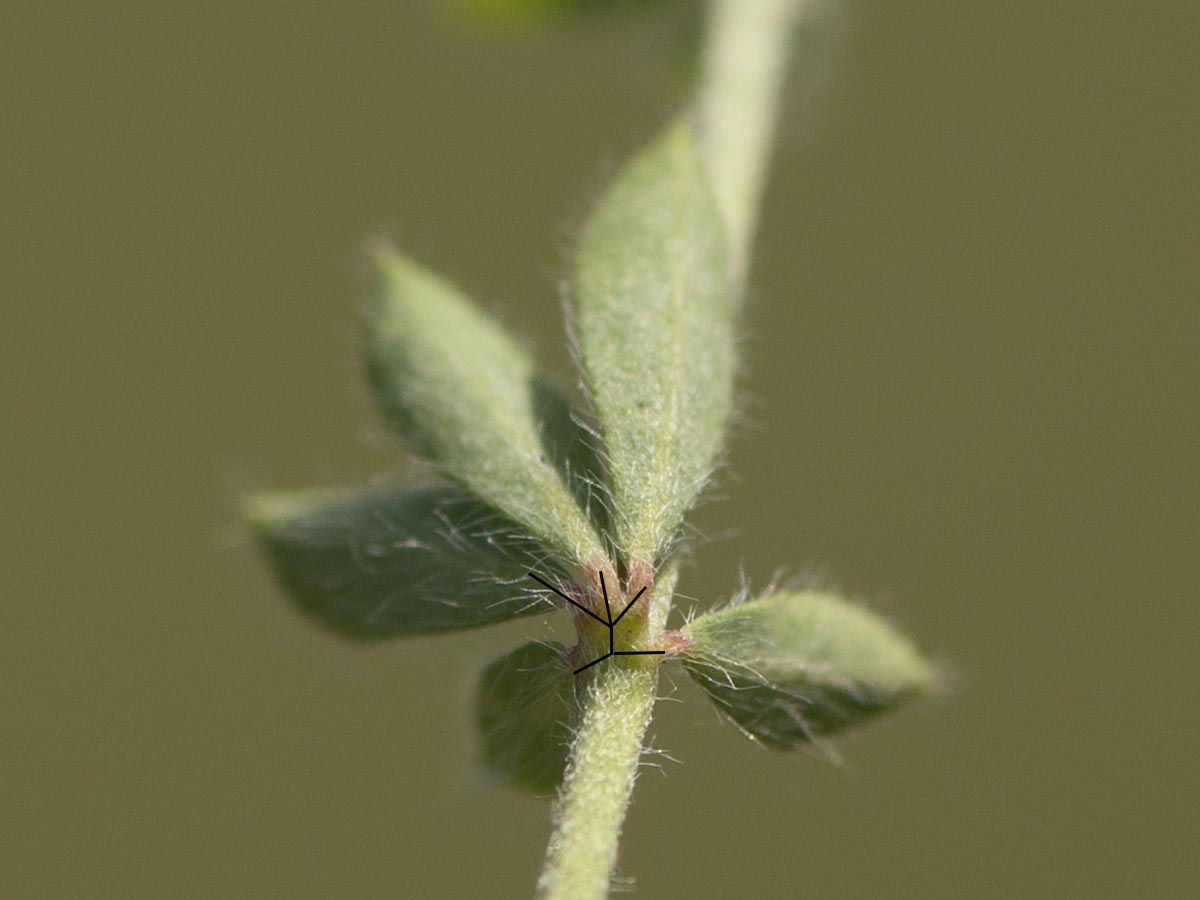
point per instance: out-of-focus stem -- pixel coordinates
(745, 60)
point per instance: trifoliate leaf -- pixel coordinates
(451, 380)
(653, 320)
(525, 709)
(393, 563)
(789, 667)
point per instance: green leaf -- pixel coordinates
(451, 380)
(525, 710)
(393, 563)
(653, 320)
(789, 667)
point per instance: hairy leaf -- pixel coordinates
(653, 319)
(393, 563)
(451, 380)
(789, 667)
(525, 709)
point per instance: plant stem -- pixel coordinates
(744, 63)
(747, 42)
(599, 781)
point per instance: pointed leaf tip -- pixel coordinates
(792, 666)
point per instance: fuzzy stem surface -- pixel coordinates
(599, 781)
(618, 696)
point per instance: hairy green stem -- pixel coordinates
(747, 43)
(617, 700)
(744, 63)
(599, 781)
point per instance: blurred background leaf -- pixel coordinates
(525, 710)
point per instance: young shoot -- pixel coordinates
(545, 509)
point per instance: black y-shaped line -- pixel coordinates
(593, 662)
(608, 622)
(627, 605)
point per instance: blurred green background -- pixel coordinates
(971, 398)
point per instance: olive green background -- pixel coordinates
(970, 398)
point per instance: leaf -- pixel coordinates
(789, 667)
(448, 377)
(394, 563)
(653, 320)
(525, 710)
